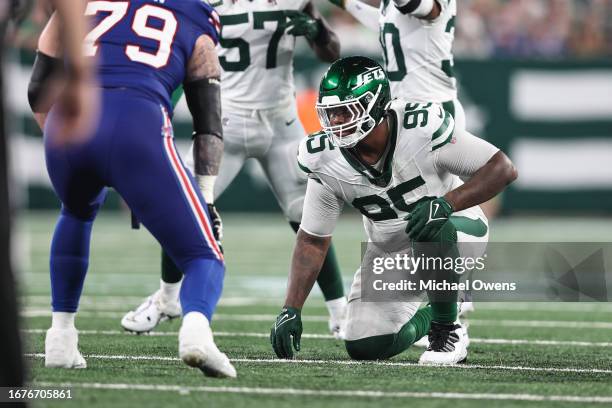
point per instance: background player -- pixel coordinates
(260, 122)
(393, 161)
(146, 49)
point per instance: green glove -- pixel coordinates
(301, 24)
(427, 218)
(288, 324)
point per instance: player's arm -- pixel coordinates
(77, 100)
(321, 211)
(311, 24)
(364, 13)
(487, 171)
(43, 88)
(487, 168)
(423, 9)
(203, 96)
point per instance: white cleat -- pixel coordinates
(150, 313)
(338, 309)
(447, 345)
(198, 349)
(337, 328)
(61, 349)
(466, 308)
(423, 342)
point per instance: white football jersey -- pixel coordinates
(408, 173)
(256, 54)
(418, 53)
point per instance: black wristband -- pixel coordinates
(44, 69)
(204, 101)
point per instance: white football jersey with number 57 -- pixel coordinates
(255, 53)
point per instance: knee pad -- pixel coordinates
(370, 348)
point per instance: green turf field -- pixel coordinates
(539, 354)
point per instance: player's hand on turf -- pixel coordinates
(288, 325)
(217, 224)
(301, 24)
(427, 218)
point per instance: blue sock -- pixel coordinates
(69, 261)
(202, 286)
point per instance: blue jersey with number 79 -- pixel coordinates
(146, 44)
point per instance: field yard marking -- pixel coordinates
(121, 301)
(353, 362)
(181, 389)
(34, 312)
(330, 337)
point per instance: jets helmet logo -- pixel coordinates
(368, 76)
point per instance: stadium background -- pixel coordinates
(535, 78)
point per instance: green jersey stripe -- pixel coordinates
(304, 168)
(443, 128)
(446, 141)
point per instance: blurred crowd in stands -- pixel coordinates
(534, 28)
(484, 28)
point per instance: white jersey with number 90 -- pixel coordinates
(417, 52)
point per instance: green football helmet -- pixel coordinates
(353, 97)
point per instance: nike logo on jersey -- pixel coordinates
(284, 319)
(289, 122)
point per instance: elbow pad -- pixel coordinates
(204, 101)
(43, 70)
(417, 8)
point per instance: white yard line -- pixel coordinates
(181, 389)
(353, 363)
(330, 337)
(121, 303)
(35, 312)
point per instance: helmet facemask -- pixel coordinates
(348, 122)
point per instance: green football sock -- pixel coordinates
(444, 312)
(330, 279)
(170, 273)
(389, 345)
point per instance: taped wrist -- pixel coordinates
(417, 8)
(204, 101)
(207, 187)
(44, 69)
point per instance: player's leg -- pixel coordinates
(164, 303)
(79, 185)
(380, 330)
(179, 220)
(288, 183)
(448, 339)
